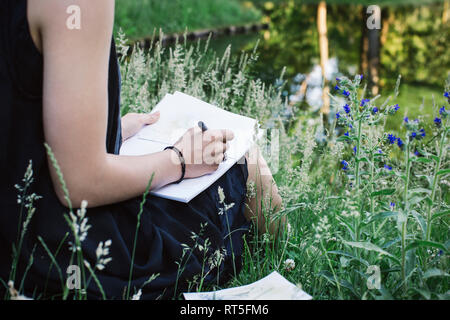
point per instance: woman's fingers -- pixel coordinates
(214, 152)
(150, 118)
(222, 135)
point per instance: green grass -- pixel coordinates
(138, 18)
(343, 221)
(416, 101)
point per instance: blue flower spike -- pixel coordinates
(346, 108)
(344, 165)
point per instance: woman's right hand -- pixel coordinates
(203, 151)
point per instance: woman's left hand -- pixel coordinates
(133, 122)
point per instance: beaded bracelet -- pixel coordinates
(183, 162)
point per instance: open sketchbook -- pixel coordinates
(179, 112)
(272, 287)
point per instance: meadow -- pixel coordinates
(362, 202)
(368, 207)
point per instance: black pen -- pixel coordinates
(202, 126)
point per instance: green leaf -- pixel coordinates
(444, 171)
(440, 214)
(349, 255)
(363, 159)
(421, 221)
(424, 160)
(384, 192)
(435, 272)
(343, 139)
(371, 247)
(424, 243)
(419, 190)
(383, 215)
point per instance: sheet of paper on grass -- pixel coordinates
(272, 287)
(179, 112)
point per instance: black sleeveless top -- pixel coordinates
(165, 227)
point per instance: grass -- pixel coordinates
(140, 18)
(367, 223)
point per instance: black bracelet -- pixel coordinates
(183, 162)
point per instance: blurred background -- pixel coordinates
(317, 41)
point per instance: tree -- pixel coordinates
(323, 47)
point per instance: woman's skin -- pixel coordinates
(75, 106)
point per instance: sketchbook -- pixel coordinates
(272, 287)
(178, 113)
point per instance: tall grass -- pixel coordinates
(369, 211)
(384, 210)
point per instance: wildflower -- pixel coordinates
(14, 293)
(338, 79)
(392, 205)
(346, 134)
(345, 165)
(346, 108)
(101, 253)
(396, 107)
(137, 296)
(413, 135)
(361, 77)
(422, 133)
(346, 93)
(289, 265)
(375, 110)
(447, 95)
(225, 207)
(354, 150)
(392, 138)
(406, 119)
(417, 153)
(338, 115)
(388, 167)
(336, 88)
(438, 122)
(400, 143)
(364, 102)
(323, 229)
(379, 151)
(442, 111)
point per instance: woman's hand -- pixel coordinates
(203, 151)
(133, 122)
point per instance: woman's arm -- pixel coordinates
(75, 100)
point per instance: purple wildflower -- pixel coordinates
(346, 108)
(392, 138)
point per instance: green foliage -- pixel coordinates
(139, 18)
(417, 45)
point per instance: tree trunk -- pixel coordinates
(373, 36)
(445, 12)
(323, 46)
(364, 44)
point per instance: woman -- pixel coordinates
(61, 85)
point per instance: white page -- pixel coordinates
(272, 287)
(179, 112)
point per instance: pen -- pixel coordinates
(202, 126)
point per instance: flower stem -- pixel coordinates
(405, 217)
(435, 180)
